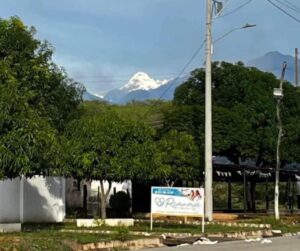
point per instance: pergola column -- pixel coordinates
(229, 200)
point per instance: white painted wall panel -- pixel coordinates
(37, 199)
(10, 201)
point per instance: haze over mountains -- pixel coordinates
(272, 62)
(141, 86)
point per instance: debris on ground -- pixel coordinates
(253, 240)
(266, 241)
(204, 241)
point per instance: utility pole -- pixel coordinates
(208, 116)
(278, 94)
(296, 67)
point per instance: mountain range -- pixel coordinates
(272, 62)
(141, 86)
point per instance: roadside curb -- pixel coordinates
(132, 244)
(229, 224)
(233, 235)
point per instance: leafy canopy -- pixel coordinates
(36, 100)
(108, 148)
(244, 113)
(178, 157)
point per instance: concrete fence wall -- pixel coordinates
(39, 199)
(10, 201)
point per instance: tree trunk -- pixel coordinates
(103, 207)
(169, 183)
(104, 196)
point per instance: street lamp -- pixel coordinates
(246, 26)
(278, 95)
(208, 110)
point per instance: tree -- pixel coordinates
(107, 148)
(244, 115)
(36, 100)
(178, 158)
(243, 108)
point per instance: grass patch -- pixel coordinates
(287, 224)
(36, 237)
(37, 240)
(188, 228)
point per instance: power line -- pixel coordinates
(286, 4)
(293, 5)
(183, 70)
(236, 9)
(284, 11)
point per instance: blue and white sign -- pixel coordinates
(179, 201)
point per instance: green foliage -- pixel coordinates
(150, 112)
(244, 118)
(36, 98)
(108, 148)
(99, 222)
(178, 157)
(122, 233)
(120, 204)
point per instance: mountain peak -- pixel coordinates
(272, 62)
(142, 81)
(273, 53)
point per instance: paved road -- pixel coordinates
(278, 244)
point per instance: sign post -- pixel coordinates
(177, 201)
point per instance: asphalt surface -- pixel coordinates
(278, 244)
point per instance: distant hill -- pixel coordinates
(90, 97)
(272, 62)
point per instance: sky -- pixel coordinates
(102, 43)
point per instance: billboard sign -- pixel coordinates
(177, 201)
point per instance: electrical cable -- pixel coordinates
(183, 70)
(288, 6)
(292, 4)
(284, 11)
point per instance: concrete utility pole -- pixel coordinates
(278, 94)
(296, 67)
(208, 116)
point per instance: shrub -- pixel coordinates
(120, 204)
(122, 233)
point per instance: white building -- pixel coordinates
(86, 194)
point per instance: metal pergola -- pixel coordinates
(231, 173)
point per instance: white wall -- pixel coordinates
(10, 201)
(37, 199)
(44, 199)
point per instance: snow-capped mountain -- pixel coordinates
(142, 81)
(141, 87)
